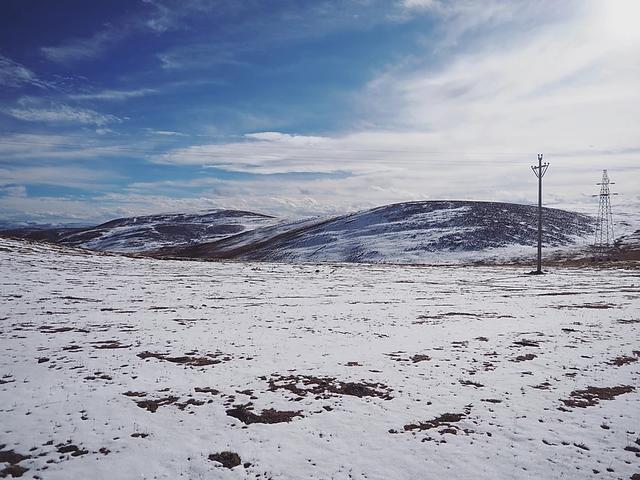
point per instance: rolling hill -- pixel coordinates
(144, 233)
(412, 232)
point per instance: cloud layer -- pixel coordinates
(459, 111)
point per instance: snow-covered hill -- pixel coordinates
(138, 234)
(413, 232)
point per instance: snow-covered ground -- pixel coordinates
(118, 368)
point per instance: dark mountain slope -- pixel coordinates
(405, 232)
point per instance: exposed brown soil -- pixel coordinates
(470, 383)
(72, 348)
(81, 299)
(191, 401)
(244, 413)
(109, 344)
(210, 390)
(98, 375)
(14, 470)
(542, 386)
(523, 358)
(527, 343)
(54, 329)
(12, 457)
(152, 405)
(446, 419)
(592, 395)
(585, 305)
(193, 361)
(622, 360)
(227, 459)
(324, 387)
(420, 358)
(74, 450)
(135, 394)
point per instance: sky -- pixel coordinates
(295, 108)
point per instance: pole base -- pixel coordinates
(536, 272)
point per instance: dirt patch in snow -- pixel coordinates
(628, 321)
(523, 358)
(71, 449)
(624, 359)
(152, 405)
(398, 357)
(527, 343)
(591, 396)
(210, 390)
(190, 360)
(446, 419)
(11, 457)
(108, 344)
(14, 470)
(324, 387)
(470, 383)
(585, 305)
(134, 394)
(227, 459)
(54, 329)
(245, 413)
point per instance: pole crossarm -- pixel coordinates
(542, 167)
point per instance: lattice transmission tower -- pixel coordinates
(604, 227)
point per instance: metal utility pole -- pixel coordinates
(604, 227)
(539, 171)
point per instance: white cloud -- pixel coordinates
(420, 4)
(13, 190)
(13, 74)
(79, 49)
(61, 114)
(115, 95)
(170, 15)
(67, 175)
(165, 133)
(29, 149)
(469, 126)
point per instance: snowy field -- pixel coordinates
(118, 368)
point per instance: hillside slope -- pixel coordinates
(138, 234)
(412, 232)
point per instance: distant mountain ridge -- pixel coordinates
(150, 232)
(410, 232)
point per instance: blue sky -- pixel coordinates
(116, 108)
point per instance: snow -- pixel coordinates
(351, 323)
(426, 232)
(139, 234)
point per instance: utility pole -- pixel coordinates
(604, 228)
(539, 171)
